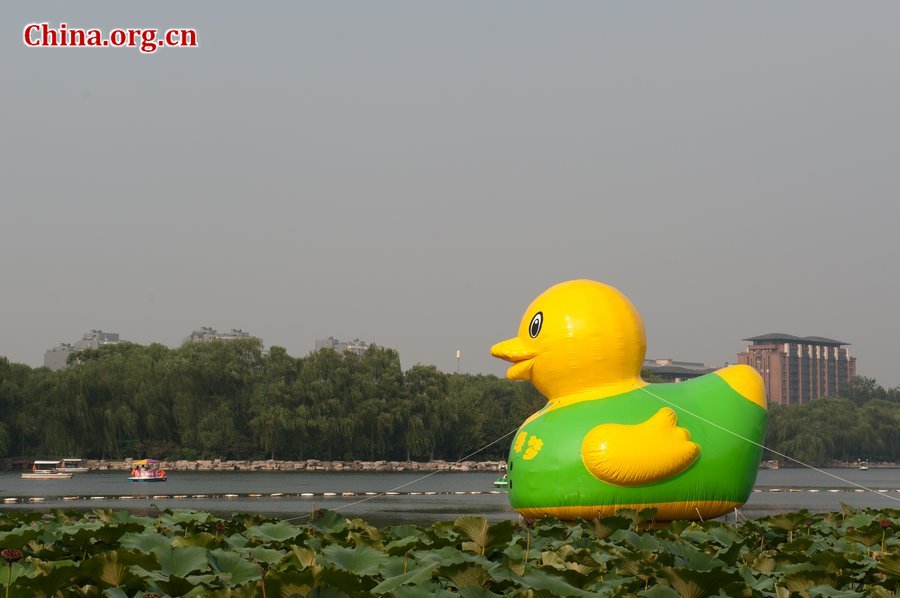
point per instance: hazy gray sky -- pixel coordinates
(413, 174)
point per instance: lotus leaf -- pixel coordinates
(177, 517)
(346, 581)
(816, 591)
(404, 545)
(181, 561)
(426, 590)
(890, 565)
(449, 556)
(857, 519)
(328, 522)
(802, 581)
(541, 580)
(237, 540)
(638, 541)
(108, 516)
(273, 532)
(724, 535)
(259, 554)
(761, 583)
(109, 569)
(289, 583)
(304, 556)
(176, 585)
(362, 560)
(203, 539)
(13, 572)
(234, 568)
(476, 592)
(396, 565)
(466, 574)
(659, 591)
(475, 529)
(690, 583)
(691, 557)
(144, 542)
(17, 538)
(411, 577)
(50, 577)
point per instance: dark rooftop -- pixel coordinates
(778, 337)
(674, 370)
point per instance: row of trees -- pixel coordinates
(836, 429)
(229, 400)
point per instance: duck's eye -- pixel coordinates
(535, 327)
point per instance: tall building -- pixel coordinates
(56, 358)
(355, 346)
(798, 369)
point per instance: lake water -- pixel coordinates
(439, 496)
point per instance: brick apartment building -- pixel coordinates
(798, 369)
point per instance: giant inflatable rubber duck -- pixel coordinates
(606, 440)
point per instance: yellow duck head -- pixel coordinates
(579, 337)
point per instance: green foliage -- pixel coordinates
(229, 400)
(855, 553)
(836, 429)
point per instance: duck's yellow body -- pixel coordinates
(608, 440)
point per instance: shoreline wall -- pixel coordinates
(275, 465)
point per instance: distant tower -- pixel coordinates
(798, 369)
(457, 360)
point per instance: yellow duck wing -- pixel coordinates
(634, 455)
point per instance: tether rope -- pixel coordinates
(415, 481)
(797, 461)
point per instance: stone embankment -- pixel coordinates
(308, 465)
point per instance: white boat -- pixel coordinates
(147, 470)
(46, 470)
(71, 466)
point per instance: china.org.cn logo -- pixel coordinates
(42, 35)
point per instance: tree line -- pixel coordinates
(230, 400)
(862, 424)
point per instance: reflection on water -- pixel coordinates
(776, 491)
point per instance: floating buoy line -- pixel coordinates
(337, 495)
(231, 496)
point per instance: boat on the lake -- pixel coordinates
(147, 470)
(46, 470)
(71, 466)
